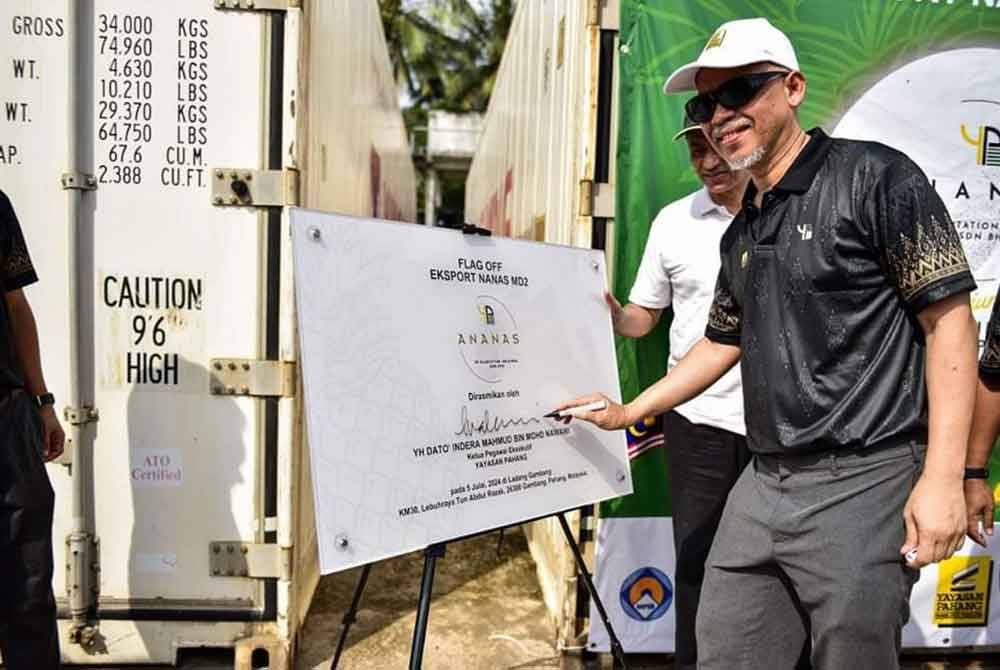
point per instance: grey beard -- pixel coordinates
(747, 161)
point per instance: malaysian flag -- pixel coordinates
(644, 435)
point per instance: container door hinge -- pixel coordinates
(246, 559)
(79, 416)
(597, 199)
(79, 181)
(251, 377)
(257, 5)
(239, 187)
(603, 13)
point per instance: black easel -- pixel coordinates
(436, 551)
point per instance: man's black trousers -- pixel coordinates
(28, 634)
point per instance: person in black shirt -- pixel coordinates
(844, 295)
(29, 434)
(979, 500)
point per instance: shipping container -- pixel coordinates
(150, 149)
(544, 171)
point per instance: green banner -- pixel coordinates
(844, 46)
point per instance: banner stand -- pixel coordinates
(435, 551)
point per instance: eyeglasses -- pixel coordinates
(733, 94)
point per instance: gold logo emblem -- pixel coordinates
(716, 39)
(987, 144)
(963, 593)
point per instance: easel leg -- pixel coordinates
(616, 646)
(431, 554)
(351, 615)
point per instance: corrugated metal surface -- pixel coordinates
(178, 89)
(532, 178)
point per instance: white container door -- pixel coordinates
(178, 88)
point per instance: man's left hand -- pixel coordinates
(978, 510)
(935, 520)
(53, 437)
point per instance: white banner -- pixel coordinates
(429, 359)
(636, 584)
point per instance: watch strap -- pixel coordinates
(977, 473)
(45, 399)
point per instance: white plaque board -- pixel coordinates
(428, 360)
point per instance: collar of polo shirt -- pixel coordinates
(800, 176)
(703, 205)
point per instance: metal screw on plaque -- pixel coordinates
(219, 173)
(620, 476)
(342, 541)
(218, 365)
(315, 234)
(218, 200)
(595, 265)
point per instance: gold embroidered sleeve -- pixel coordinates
(989, 361)
(922, 252)
(725, 316)
(16, 268)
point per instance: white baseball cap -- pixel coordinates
(735, 44)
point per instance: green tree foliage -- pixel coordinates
(446, 53)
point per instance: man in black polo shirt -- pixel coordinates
(29, 433)
(843, 293)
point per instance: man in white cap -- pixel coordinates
(705, 437)
(844, 295)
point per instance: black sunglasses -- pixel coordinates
(733, 94)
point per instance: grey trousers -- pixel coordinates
(811, 542)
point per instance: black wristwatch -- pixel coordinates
(977, 473)
(45, 399)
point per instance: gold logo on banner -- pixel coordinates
(963, 593)
(986, 141)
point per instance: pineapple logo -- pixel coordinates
(987, 143)
(489, 340)
(716, 40)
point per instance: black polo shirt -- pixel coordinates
(820, 288)
(16, 271)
